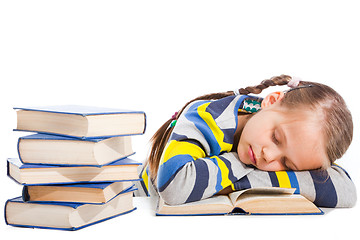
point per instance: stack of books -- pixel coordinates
(75, 170)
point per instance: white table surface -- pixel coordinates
(334, 224)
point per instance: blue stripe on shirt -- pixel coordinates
(242, 184)
(273, 178)
(229, 135)
(231, 176)
(170, 167)
(216, 108)
(218, 186)
(293, 181)
(201, 181)
(325, 191)
(193, 116)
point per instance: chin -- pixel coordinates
(242, 158)
(245, 161)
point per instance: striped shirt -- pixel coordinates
(197, 161)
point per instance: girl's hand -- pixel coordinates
(225, 191)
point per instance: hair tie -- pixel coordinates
(173, 123)
(294, 82)
(236, 92)
(173, 117)
(299, 87)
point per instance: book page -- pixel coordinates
(235, 196)
(215, 204)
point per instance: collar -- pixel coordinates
(250, 104)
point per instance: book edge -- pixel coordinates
(81, 137)
(99, 111)
(18, 163)
(73, 228)
(127, 190)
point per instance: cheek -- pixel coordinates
(251, 129)
(255, 126)
(255, 134)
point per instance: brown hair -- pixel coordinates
(337, 127)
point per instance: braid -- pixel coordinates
(274, 81)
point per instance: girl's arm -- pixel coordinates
(182, 179)
(197, 162)
(326, 188)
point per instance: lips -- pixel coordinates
(252, 155)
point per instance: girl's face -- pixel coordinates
(276, 139)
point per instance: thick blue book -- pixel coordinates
(252, 201)
(124, 169)
(94, 193)
(81, 121)
(65, 216)
(55, 149)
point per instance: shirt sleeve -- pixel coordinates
(326, 188)
(197, 162)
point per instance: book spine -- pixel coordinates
(5, 215)
(8, 171)
(18, 150)
(145, 122)
(25, 194)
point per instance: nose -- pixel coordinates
(271, 154)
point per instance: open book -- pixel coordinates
(250, 201)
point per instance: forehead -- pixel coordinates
(305, 145)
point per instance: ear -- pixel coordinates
(272, 98)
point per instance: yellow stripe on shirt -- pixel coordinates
(283, 179)
(174, 148)
(218, 133)
(225, 181)
(145, 178)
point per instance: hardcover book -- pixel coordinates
(54, 149)
(81, 121)
(124, 169)
(65, 216)
(267, 201)
(96, 193)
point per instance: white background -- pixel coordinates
(155, 56)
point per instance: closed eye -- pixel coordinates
(274, 139)
(285, 163)
(289, 164)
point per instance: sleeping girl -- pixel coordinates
(230, 141)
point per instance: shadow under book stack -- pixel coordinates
(75, 170)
